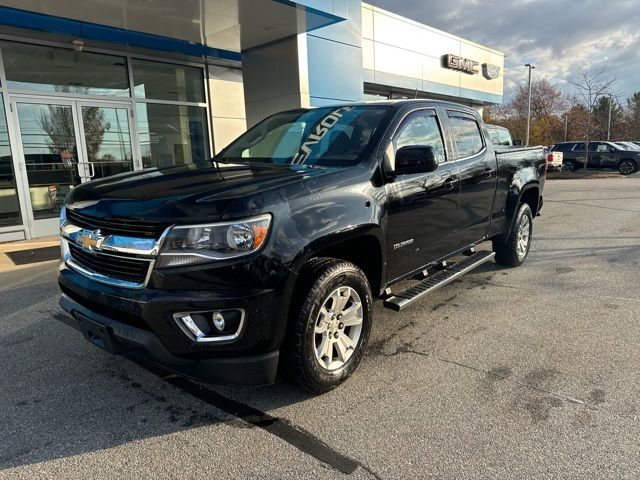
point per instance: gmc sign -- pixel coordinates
(456, 62)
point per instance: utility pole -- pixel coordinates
(566, 126)
(531, 67)
(609, 124)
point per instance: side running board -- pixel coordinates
(405, 298)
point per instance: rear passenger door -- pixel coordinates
(478, 169)
(422, 208)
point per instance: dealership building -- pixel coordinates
(93, 88)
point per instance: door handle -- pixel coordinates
(449, 183)
(92, 170)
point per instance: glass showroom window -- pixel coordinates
(172, 134)
(165, 81)
(9, 206)
(61, 70)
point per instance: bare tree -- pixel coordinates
(590, 86)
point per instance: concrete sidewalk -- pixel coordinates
(6, 264)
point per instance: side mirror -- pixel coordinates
(415, 159)
(517, 143)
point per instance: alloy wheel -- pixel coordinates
(338, 328)
(524, 234)
(626, 168)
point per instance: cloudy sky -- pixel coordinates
(560, 37)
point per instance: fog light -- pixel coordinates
(211, 326)
(218, 321)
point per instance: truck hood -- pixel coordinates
(185, 194)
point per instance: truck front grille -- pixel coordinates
(127, 228)
(120, 267)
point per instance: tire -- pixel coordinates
(318, 366)
(627, 167)
(568, 166)
(513, 251)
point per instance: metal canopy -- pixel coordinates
(231, 25)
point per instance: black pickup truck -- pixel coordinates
(271, 254)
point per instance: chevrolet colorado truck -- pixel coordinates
(269, 256)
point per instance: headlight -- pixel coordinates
(192, 244)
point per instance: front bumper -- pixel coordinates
(119, 338)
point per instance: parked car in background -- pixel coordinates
(554, 159)
(628, 145)
(500, 136)
(636, 143)
(602, 155)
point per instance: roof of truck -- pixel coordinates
(399, 103)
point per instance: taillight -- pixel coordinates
(549, 160)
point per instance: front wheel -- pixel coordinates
(627, 167)
(331, 323)
(513, 251)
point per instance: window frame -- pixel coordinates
(452, 113)
(390, 152)
(576, 149)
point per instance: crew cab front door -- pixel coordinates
(422, 211)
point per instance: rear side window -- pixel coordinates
(505, 137)
(578, 147)
(493, 135)
(466, 134)
(563, 147)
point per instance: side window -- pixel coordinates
(579, 147)
(505, 138)
(466, 134)
(421, 129)
(494, 136)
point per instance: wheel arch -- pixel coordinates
(363, 246)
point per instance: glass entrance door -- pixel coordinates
(106, 139)
(65, 143)
(10, 215)
(48, 148)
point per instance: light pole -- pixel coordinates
(609, 123)
(566, 126)
(531, 67)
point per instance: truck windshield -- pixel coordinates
(334, 136)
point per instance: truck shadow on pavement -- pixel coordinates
(63, 397)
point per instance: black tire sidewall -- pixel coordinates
(507, 251)
(346, 276)
(524, 209)
(635, 167)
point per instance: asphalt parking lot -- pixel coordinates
(518, 373)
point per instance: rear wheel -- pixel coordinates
(332, 321)
(512, 251)
(568, 166)
(627, 167)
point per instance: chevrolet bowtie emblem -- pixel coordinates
(91, 240)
